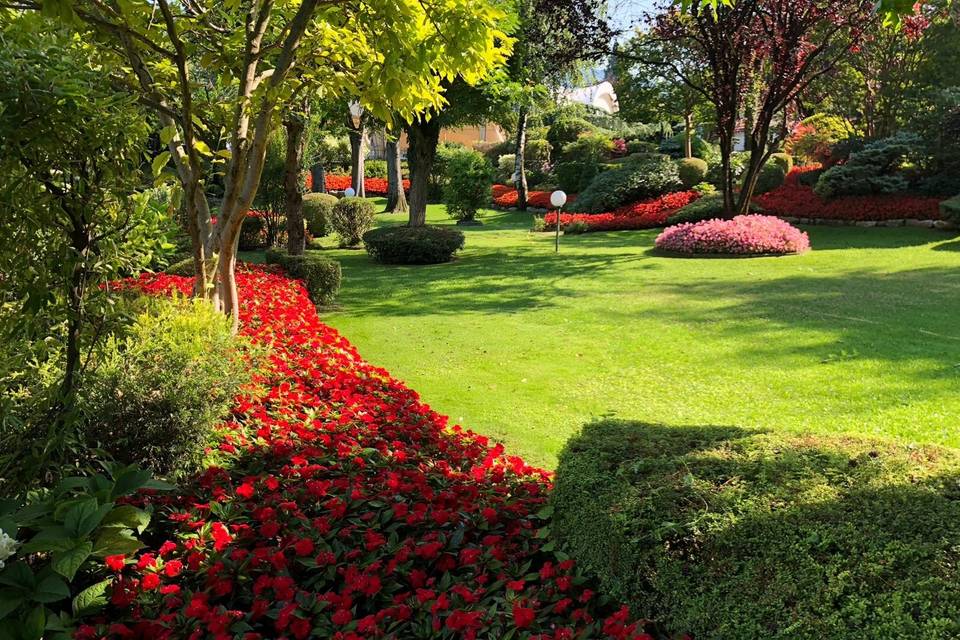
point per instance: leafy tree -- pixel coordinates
(218, 76)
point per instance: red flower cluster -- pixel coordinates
(639, 215)
(345, 508)
(506, 197)
(373, 186)
(793, 199)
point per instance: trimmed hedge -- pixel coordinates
(647, 177)
(413, 245)
(317, 211)
(692, 171)
(320, 276)
(722, 532)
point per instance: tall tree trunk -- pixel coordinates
(726, 169)
(688, 135)
(357, 134)
(519, 165)
(396, 198)
(80, 243)
(318, 175)
(424, 138)
(292, 191)
(758, 157)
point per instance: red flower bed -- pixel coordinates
(795, 200)
(346, 508)
(742, 235)
(639, 215)
(373, 186)
(506, 197)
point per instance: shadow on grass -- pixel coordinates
(729, 533)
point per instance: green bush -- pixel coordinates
(182, 268)
(413, 245)
(675, 147)
(467, 188)
(810, 178)
(771, 176)
(646, 178)
(317, 211)
(439, 171)
(253, 233)
(575, 176)
(350, 219)
(156, 392)
(692, 171)
(738, 162)
(567, 129)
(950, 209)
(320, 276)
(706, 207)
(375, 169)
(782, 160)
(721, 532)
(874, 169)
(536, 154)
(642, 146)
(593, 147)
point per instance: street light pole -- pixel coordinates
(558, 199)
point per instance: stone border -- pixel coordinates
(893, 222)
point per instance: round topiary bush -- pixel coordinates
(727, 533)
(741, 235)
(770, 177)
(413, 245)
(317, 211)
(692, 171)
(351, 218)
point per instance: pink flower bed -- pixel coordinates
(743, 235)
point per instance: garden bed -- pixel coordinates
(342, 506)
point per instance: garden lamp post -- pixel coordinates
(558, 199)
(349, 192)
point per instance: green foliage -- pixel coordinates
(950, 209)
(413, 245)
(536, 154)
(506, 165)
(706, 207)
(317, 211)
(592, 147)
(350, 219)
(674, 147)
(874, 169)
(253, 232)
(705, 188)
(645, 178)
(575, 176)
(692, 171)
(810, 178)
(783, 160)
(62, 536)
(814, 137)
(156, 392)
(770, 177)
(738, 162)
(321, 276)
(332, 152)
(467, 188)
(439, 173)
(642, 146)
(728, 533)
(375, 169)
(181, 268)
(566, 129)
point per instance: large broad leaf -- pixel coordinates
(48, 539)
(113, 542)
(91, 599)
(9, 601)
(85, 516)
(51, 589)
(128, 481)
(34, 624)
(18, 574)
(127, 517)
(69, 561)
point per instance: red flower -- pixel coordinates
(523, 617)
(115, 563)
(150, 581)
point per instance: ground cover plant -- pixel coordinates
(644, 214)
(740, 235)
(343, 507)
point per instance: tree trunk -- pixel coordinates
(396, 198)
(688, 135)
(758, 157)
(293, 194)
(424, 138)
(80, 243)
(357, 153)
(726, 170)
(519, 165)
(318, 175)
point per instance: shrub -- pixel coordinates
(738, 162)
(741, 235)
(565, 130)
(439, 172)
(350, 219)
(706, 208)
(467, 189)
(728, 533)
(770, 177)
(871, 170)
(692, 171)
(317, 212)
(506, 164)
(156, 392)
(413, 245)
(642, 146)
(536, 154)
(812, 140)
(674, 147)
(950, 209)
(705, 188)
(810, 178)
(253, 231)
(182, 268)
(593, 147)
(646, 178)
(375, 169)
(782, 160)
(575, 176)
(320, 276)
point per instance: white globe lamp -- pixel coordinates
(558, 199)
(349, 192)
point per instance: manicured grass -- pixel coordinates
(859, 336)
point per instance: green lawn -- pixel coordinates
(861, 335)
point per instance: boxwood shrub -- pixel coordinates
(722, 532)
(647, 177)
(317, 211)
(320, 275)
(692, 171)
(351, 218)
(413, 245)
